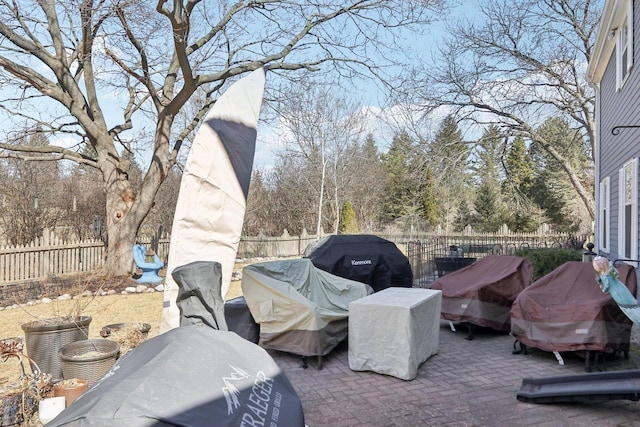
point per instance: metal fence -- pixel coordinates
(423, 254)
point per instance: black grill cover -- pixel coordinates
(362, 257)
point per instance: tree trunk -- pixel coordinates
(123, 222)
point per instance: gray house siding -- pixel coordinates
(619, 108)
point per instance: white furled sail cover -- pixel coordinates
(213, 192)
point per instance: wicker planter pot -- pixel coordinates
(45, 338)
(88, 359)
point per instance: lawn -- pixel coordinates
(104, 310)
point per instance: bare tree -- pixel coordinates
(67, 65)
(30, 196)
(518, 63)
(319, 126)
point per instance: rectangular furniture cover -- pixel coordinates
(482, 293)
(300, 308)
(394, 331)
(566, 311)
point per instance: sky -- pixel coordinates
(372, 99)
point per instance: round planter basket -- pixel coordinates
(45, 338)
(88, 359)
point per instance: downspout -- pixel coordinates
(596, 156)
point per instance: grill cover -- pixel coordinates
(362, 257)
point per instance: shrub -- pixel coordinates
(546, 260)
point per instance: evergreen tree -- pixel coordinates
(552, 190)
(429, 201)
(524, 215)
(489, 215)
(348, 222)
(489, 206)
(463, 218)
(448, 157)
(399, 198)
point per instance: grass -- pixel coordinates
(104, 310)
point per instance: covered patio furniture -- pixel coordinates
(300, 309)
(394, 331)
(482, 293)
(567, 311)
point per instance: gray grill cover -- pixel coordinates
(189, 376)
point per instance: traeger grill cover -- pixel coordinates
(482, 293)
(301, 309)
(566, 311)
(362, 257)
(191, 376)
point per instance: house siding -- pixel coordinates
(619, 108)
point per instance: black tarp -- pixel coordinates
(364, 258)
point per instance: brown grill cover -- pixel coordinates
(483, 292)
(566, 311)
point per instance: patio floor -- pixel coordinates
(468, 383)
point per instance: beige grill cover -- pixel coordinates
(213, 191)
(300, 308)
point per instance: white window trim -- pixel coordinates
(624, 41)
(634, 210)
(605, 206)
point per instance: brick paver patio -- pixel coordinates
(468, 383)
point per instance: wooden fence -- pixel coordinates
(50, 256)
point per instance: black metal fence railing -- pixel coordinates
(435, 255)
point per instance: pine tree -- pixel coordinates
(400, 188)
(429, 202)
(552, 190)
(489, 206)
(448, 156)
(520, 177)
(463, 218)
(348, 222)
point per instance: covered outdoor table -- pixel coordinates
(394, 331)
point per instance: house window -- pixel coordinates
(624, 47)
(628, 215)
(604, 219)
